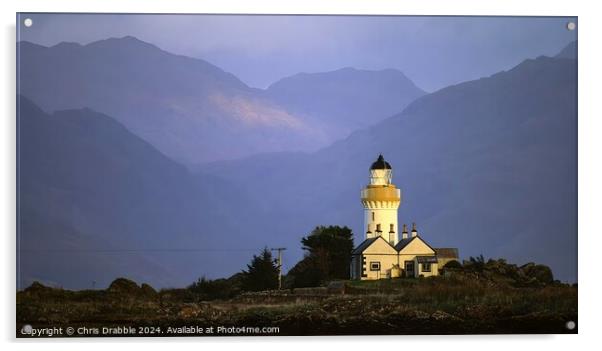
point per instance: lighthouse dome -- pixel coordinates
(380, 163)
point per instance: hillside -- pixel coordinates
(96, 202)
(569, 52)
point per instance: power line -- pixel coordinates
(135, 250)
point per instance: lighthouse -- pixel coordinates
(381, 200)
(383, 254)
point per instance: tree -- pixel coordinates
(305, 273)
(261, 274)
(328, 254)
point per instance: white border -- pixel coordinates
(590, 175)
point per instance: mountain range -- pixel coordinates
(193, 111)
(488, 166)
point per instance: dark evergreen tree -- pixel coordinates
(328, 254)
(261, 274)
(305, 273)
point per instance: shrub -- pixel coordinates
(216, 289)
(452, 265)
(539, 272)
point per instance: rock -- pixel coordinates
(124, 286)
(148, 290)
(37, 287)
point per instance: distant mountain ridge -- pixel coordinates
(188, 108)
(191, 110)
(346, 99)
(569, 51)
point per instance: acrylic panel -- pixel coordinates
(224, 175)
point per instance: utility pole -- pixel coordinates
(279, 249)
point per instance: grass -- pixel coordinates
(458, 303)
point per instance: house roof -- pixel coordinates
(404, 242)
(400, 245)
(426, 259)
(366, 243)
(447, 252)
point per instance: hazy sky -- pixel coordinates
(433, 51)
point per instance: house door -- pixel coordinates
(410, 269)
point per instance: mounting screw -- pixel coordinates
(571, 26)
(570, 325)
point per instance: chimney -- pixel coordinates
(414, 231)
(378, 232)
(404, 234)
(392, 234)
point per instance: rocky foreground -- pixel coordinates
(456, 303)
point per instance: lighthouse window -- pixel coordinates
(372, 215)
(375, 266)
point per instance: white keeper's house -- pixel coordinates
(383, 254)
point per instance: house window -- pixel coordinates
(375, 266)
(426, 267)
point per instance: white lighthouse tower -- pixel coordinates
(381, 199)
